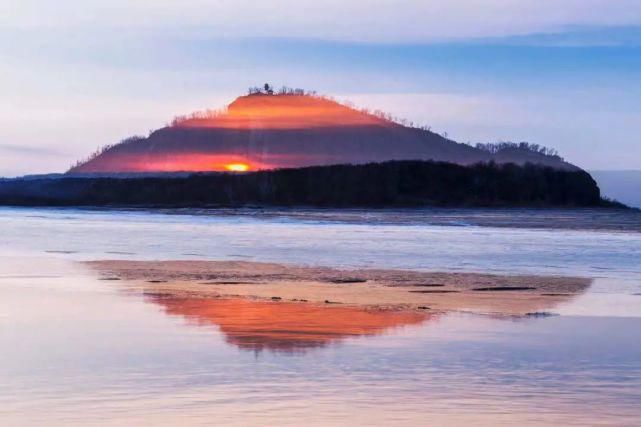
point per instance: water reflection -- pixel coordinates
(77, 351)
(284, 326)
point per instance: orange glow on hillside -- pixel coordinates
(201, 162)
(237, 167)
(284, 112)
(256, 132)
(288, 327)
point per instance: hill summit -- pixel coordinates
(292, 129)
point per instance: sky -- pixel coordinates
(79, 74)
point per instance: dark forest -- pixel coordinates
(389, 184)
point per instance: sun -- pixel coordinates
(237, 167)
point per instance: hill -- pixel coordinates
(290, 130)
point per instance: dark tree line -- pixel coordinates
(268, 89)
(495, 148)
(390, 184)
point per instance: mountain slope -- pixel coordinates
(262, 131)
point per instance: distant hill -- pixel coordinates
(624, 186)
(389, 184)
(289, 130)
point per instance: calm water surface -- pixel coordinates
(76, 350)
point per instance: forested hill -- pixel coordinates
(390, 184)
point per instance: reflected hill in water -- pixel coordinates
(286, 327)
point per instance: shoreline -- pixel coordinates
(368, 289)
(563, 219)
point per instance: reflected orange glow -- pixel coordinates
(287, 327)
(237, 167)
